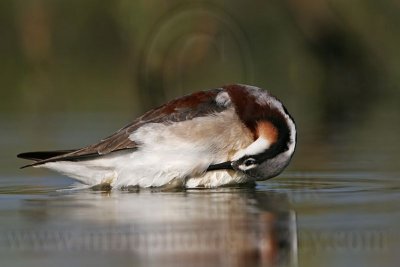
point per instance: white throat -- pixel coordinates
(257, 147)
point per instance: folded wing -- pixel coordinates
(185, 108)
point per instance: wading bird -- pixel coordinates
(235, 134)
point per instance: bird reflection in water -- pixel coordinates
(219, 227)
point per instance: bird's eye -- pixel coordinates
(249, 162)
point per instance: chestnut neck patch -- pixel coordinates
(268, 131)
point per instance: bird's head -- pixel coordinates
(273, 129)
(269, 154)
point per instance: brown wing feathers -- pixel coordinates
(181, 109)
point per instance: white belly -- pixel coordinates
(121, 170)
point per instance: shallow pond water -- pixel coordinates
(307, 219)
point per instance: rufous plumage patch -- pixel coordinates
(268, 131)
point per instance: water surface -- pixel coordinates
(308, 219)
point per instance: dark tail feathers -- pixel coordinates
(42, 155)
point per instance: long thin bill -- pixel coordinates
(227, 165)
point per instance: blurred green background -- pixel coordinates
(72, 72)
